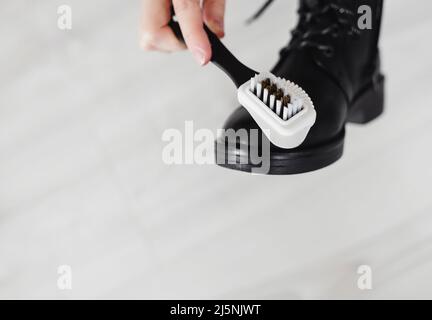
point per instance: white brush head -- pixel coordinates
(284, 112)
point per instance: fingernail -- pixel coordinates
(217, 26)
(199, 55)
(220, 24)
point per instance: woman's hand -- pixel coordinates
(157, 35)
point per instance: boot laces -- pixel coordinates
(316, 22)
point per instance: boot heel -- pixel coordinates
(369, 105)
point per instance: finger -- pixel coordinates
(214, 16)
(155, 34)
(189, 16)
(162, 39)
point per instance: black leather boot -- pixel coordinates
(337, 63)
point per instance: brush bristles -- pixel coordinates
(274, 94)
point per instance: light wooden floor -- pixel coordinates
(82, 182)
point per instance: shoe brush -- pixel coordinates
(283, 110)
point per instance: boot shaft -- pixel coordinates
(364, 17)
(352, 39)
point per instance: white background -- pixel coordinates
(82, 182)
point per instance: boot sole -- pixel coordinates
(368, 106)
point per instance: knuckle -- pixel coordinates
(213, 18)
(147, 40)
(213, 2)
(214, 11)
(147, 46)
(184, 5)
(216, 4)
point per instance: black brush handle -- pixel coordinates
(221, 57)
